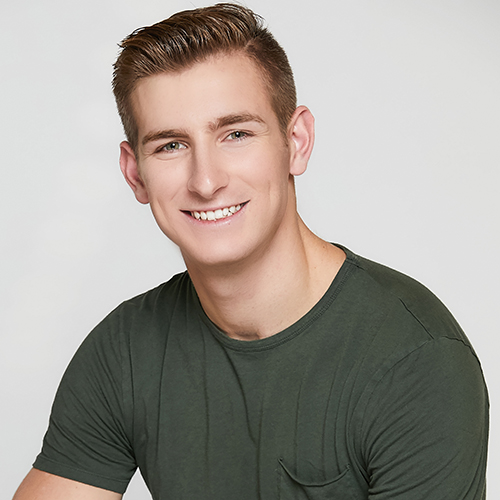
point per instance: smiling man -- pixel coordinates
(217, 170)
(278, 365)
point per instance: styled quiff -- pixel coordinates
(192, 36)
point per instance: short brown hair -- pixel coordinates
(192, 36)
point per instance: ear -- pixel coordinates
(130, 170)
(301, 139)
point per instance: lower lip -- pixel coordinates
(217, 222)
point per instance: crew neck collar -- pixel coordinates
(296, 328)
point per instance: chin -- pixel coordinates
(220, 254)
(218, 260)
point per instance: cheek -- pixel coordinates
(162, 184)
(278, 176)
(267, 168)
(162, 194)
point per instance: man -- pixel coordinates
(279, 365)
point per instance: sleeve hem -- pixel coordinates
(90, 478)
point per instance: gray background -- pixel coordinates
(405, 172)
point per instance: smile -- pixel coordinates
(220, 213)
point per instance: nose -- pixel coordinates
(207, 174)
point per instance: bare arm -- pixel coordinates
(38, 485)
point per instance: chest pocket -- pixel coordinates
(292, 487)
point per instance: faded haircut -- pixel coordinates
(192, 36)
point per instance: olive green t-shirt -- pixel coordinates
(376, 393)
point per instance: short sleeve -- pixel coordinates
(87, 436)
(425, 428)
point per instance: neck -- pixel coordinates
(254, 300)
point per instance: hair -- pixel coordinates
(192, 36)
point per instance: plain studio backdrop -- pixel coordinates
(405, 172)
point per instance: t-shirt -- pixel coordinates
(376, 393)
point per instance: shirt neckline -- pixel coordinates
(296, 328)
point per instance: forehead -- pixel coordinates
(218, 86)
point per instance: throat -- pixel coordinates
(256, 304)
(256, 301)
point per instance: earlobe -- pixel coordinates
(301, 137)
(130, 170)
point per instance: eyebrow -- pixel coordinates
(163, 134)
(217, 124)
(224, 121)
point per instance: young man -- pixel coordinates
(279, 365)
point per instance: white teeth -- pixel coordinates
(220, 213)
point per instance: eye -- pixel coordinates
(237, 135)
(172, 146)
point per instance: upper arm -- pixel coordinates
(427, 426)
(39, 485)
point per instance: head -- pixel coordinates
(190, 37)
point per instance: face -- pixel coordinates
(213, 163)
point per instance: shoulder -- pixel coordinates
(409, 300)
(129, 342)
(154, 306)
(161, 300)
(402, 330)
(144, 320)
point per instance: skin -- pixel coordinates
(40, 485)
(208, 140)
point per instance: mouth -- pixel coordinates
(220, 213)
